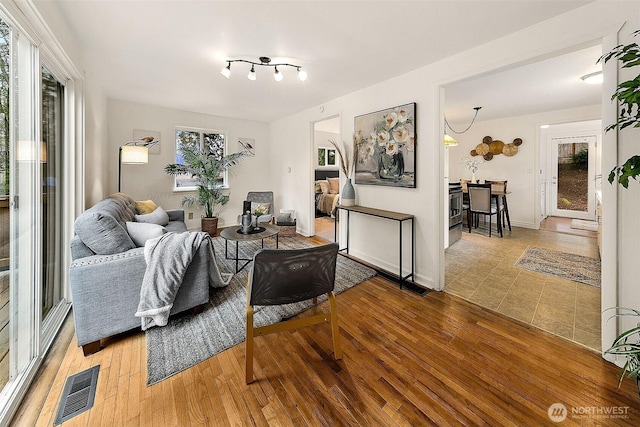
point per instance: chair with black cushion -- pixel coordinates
(480, 204)
(501, 187)
(287, 276)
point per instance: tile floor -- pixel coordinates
(481, 270)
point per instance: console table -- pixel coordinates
(395, 216)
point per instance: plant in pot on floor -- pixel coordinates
(628, 95)
(628, 344)
(206, 169)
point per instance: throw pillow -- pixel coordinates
(140, 232)
(283, 217)
(102, 233)
(324, 186)
(334, 185)
(158, 216)
(316, 186)
(144, 207)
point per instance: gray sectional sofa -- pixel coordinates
(107, 270)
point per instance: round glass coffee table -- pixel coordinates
(235, 235)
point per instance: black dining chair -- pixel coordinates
(480, 204)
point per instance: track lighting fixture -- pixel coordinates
(265, 61)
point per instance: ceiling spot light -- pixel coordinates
(252, 74)
(593, 78)
(226, 71)
(302, 74)
(265, 61)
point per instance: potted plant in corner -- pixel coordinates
(627, 344)
(206, 169)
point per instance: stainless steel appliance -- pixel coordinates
(455, 212)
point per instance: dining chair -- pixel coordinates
(501, 187)
(480, 204)
(280, 276)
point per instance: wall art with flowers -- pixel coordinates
(385, 142)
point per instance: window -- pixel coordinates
(211, 141)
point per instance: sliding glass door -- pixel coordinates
(37, 126)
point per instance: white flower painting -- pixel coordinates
(385, 142)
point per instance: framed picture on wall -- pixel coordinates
(139, 135)
(322, 156)
(331, 157)
(386, 145)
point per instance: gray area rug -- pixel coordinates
(568, 266)
(189, 339)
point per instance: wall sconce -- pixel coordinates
(265, 61)
(131, 155)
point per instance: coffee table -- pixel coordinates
(233, 234)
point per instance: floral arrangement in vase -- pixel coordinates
(472, 165)
(347, 161)
(260, 210)
(384, 142)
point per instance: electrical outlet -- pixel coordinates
(190, 215)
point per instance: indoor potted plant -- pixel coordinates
(628, 95)
(627, 344)
(206, 169)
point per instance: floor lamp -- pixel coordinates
(131, 155)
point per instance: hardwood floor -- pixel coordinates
(407, 360)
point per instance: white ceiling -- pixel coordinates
(547, 85)
(169, 53)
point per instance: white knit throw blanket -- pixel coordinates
(168, 258)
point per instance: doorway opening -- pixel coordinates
(326, 177)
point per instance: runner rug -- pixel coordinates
(189, 339)
(568, 266)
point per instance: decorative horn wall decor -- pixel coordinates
(490, 147)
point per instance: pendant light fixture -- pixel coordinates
(450, 141)
(265, 61)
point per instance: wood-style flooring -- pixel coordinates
(408, 360)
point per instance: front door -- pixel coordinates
(572, 189)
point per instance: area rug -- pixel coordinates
(190, 339)
(568, 266)
(581, 224)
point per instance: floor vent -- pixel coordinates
(78, 395)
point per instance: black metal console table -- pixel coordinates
(396, 216)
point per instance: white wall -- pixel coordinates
(522, 171)
(150, 182)
(375, 240)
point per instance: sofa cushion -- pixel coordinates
(140, 232)
(102, 233)
(158, 216)
(144, 207)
